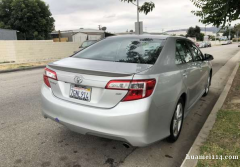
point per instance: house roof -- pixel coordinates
(80, 30)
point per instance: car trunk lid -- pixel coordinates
(94, 76)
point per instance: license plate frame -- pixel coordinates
(82, 93)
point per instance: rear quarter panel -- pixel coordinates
(168, 89)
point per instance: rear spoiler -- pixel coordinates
(89, 72)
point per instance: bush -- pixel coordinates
(235, 39)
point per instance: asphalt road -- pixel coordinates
(27, 139)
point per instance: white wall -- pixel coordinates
(94, 37)
(214, 43)
(34, 51)
(79, 37)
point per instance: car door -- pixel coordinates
(201, 65)
(189, 70)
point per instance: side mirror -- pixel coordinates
(208, 57)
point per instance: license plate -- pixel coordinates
(80, 92)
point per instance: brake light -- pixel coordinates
(137, 89)
(49, 74)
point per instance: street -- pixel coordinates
(27, 139)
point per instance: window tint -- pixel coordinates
(197, 55)
(179, 54)
(183, 54)
(128, 50)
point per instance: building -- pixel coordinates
(183, 32)
(124, 33)
(79, 35)
(6, 34)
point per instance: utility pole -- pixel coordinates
(138, 23)
(59, 36)
(237, 35)
(138, 28)
(216, 38)
(229, 34)
(205, 30)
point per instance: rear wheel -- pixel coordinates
(207, 86)
(177, 121)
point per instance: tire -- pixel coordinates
(207, 86)
(177, 121)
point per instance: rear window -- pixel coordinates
(142, 51)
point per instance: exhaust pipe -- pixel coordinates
(126, 145)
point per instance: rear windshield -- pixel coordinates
(127, 50)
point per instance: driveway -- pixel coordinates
(27, 139)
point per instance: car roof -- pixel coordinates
(141, 36)
(162, 37)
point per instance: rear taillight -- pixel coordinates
(137, 89)
(49, 74)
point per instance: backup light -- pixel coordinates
(49, 74)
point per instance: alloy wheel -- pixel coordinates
(177, 121)
(208, 85)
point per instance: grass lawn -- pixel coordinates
(224, 138)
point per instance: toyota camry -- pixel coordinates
(137, 89)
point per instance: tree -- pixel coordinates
(231, 31)
(191, 32)
(211, 37)
(195, 32)
(104, 28)
(32, 18)
(237, 27)
(146, 7)
(217, 12)
(200, 37)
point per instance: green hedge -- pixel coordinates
(235, 39)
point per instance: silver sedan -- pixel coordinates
(136, 89)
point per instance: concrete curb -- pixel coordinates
(22, 69)
(208, 125)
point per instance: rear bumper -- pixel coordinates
(128, 121)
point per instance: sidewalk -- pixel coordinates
(224, 138)
(10, 67)
(220, 135)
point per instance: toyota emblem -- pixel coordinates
(78, 79)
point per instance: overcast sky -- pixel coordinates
(119, 17)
